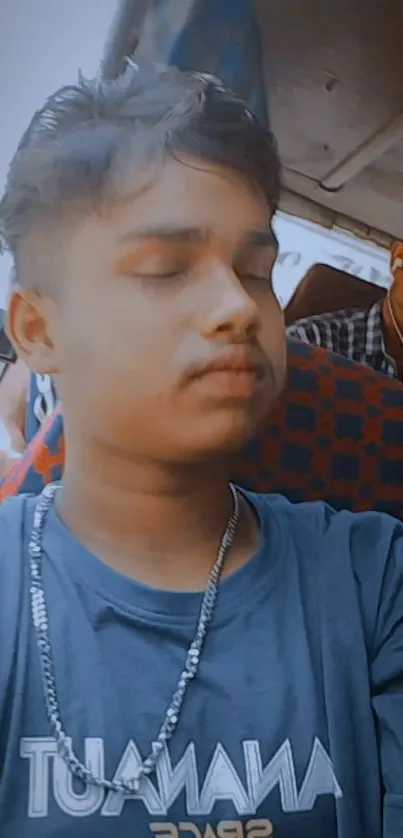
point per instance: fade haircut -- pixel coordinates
(74, 156)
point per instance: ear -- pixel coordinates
(30, 321)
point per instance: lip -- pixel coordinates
(235, 374)
(237, 360)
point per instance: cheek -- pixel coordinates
(272, 320)
(145, 326)
(273, 336)
(120, 349)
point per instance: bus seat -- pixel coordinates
(335, 434)
(324, 289)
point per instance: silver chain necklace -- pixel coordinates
(41, 625)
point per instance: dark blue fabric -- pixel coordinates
(296, 713)
(7, 352)
(32, 424)
(215, 36)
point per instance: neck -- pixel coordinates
(159, 524)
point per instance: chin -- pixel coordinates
(225, 436)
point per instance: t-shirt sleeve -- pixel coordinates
(382, 594)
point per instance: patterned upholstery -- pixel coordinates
(336, 434)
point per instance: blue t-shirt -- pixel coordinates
(293, 728)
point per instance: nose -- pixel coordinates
(229, 309)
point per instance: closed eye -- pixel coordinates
(256, 277)
(170, 275)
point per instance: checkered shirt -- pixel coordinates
(353, 333)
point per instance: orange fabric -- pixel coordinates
(38, 456)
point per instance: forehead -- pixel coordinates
(192, 193)
(185, 194)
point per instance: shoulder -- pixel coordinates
(366, 535)
(13, 512)
(295, 517)
(15, 517)
(335, 319)
(356, 552)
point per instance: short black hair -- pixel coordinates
(71, 156)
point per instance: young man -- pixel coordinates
(371, 335)
(178, 657)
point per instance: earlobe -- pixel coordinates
(29, 327)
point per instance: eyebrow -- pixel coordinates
(195, 235)
(178, 235)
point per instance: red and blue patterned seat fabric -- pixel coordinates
(335, 434)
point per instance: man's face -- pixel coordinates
(172, 281)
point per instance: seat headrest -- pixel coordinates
(324, 289)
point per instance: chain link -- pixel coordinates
(41, 625)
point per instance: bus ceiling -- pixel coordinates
(333, 76)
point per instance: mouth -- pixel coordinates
(237, 374)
